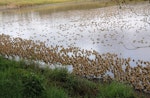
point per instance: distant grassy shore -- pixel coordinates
(30, 2)
(10, 4)
(25, 3)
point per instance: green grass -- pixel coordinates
(19, 80)
(55, 92)
(116, 90)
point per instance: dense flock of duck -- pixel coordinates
(97, 27)
(89, 64)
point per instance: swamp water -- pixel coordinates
(125, 31)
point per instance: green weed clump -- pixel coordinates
(32, 85)
(16, 82)
(75, 86)
(9, 88)
(116, 90)
(56, 92)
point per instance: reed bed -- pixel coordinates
(89, 64)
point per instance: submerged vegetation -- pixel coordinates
(21, 80)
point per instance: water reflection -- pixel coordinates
(121, 31)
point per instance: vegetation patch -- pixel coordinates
(116, 90)
(17, 79)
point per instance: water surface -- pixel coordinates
(125, 31)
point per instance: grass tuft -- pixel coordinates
(116, 90)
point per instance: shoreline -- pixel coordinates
(71, 4)
(58, 4)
